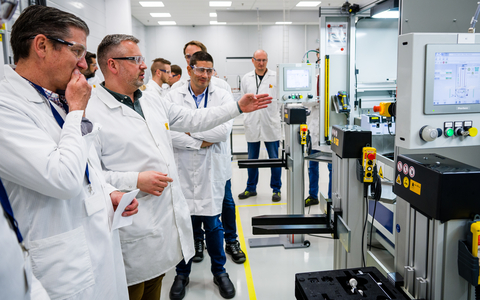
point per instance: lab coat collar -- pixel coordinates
(113, 103)
(184, 89)
(21, 84)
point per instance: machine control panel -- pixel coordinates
(451, 129)
(296, 96)
(296, 83)
(369, 160)
(303, 134)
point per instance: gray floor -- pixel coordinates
(269, 273)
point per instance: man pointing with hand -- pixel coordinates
(136, 150)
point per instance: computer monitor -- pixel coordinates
(452, 79)
(296, 79)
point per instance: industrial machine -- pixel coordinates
(437, 111)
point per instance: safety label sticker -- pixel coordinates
(406, 182)
(399, 166)
(415, 187)
(380, 172)
(398, 181)
(411, 172)
(405, 168)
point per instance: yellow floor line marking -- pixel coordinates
(246, 264)
(270, 204)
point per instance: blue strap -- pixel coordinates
(8, 209)
(58, 118)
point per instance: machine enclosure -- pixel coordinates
(439, 187)
(295, 115)
(348, 141)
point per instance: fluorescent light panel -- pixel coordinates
(167, 23)
(387, 14)
(308, 3)
(151, 3)
(213, 15)
(217, 23)
(161, 15)
(220, 3)
(283, 23)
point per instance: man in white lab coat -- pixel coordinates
(176, 74)
(92, 68)
(232, 245)
(161, 75)
(136, 151)
(204, 166)
(49, 167)
(262, 125)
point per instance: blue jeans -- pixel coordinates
(275, 179)
(228, 218)
(214, 240)
(313, 176)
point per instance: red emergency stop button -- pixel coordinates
(304, 129)
(371, 156)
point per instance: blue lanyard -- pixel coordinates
(8, 209)
(205, 97)
(58, 118)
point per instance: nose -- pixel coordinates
(96, 68)
(82, 64)
(143, 66)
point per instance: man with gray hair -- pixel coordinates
(49, 167)
(136, 150)
(161, 75)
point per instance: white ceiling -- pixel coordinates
(196, 12)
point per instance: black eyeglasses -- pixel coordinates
(78, 49)
(138, 59)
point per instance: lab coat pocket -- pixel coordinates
(94, 204)
(62, 263)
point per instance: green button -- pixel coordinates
(449, 132)
(293, 97)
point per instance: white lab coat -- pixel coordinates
(162, 230)
(214, 80)
(64, 223)
(262, 125)
(153, 87)
(203, 171)
(95, 80)
(16, 278)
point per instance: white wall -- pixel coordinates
(227, 41)
(139, 31)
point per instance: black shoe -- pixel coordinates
(177, 292)
(227, 290)
(233, 248)
(311, 201)
(199, 246)
(276, 197)
(246, 194)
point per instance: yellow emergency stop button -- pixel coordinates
(473, 131)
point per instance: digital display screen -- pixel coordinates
(296, 79)
(457, 78)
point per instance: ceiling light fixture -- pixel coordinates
(167, 23)
(161, 15)
(151, 3)
(217, 23)
(283, 23)
(308, 3)
(213, 15)
(220, 3)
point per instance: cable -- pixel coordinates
(365, 191)
(322, 237)
(376, 188)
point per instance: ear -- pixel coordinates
(113, 66)
(190, 71)
(40, 46)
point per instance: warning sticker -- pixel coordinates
(380, 172)
(411, 172)
(406, 183)
(399, 166)
(399, 180)
(405, 169)
(415, 187)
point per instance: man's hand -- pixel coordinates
(78, 92)
(250, 102)
(153, 182)
(130, 210)
(205, 144)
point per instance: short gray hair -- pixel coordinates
(109, 43)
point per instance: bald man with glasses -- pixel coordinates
(161, 76)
